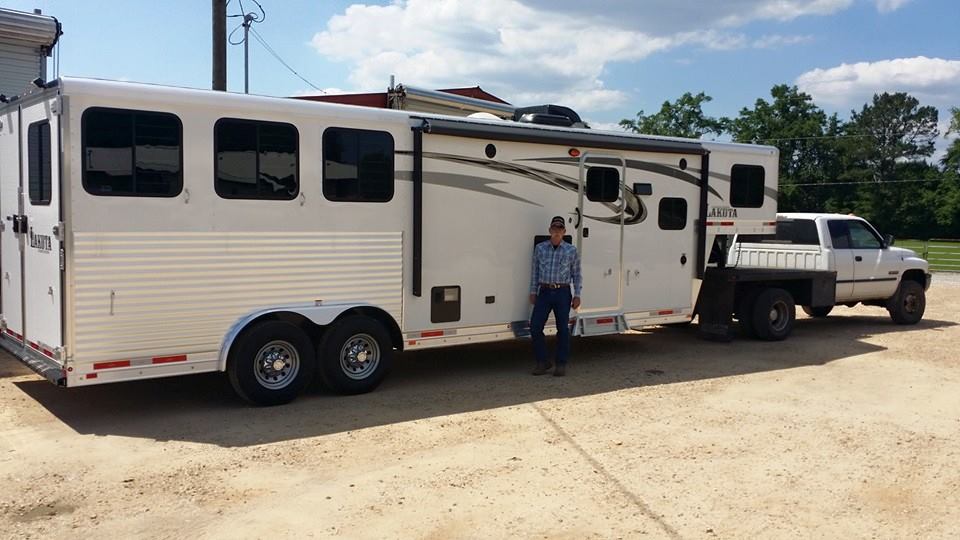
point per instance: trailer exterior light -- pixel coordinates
(574, 152)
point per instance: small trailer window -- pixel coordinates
(673, 214)
(357, 165)
(38, 164)
(256, 160)
(131, 153)
(746, 186)
(603, 184)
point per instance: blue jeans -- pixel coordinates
(558, 301)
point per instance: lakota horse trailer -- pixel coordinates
(151, 231)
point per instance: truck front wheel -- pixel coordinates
(817, 312)
(773, 315)
(908, 305)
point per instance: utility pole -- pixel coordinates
(248, 19)
(220, 45)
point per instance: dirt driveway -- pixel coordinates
(849, 429)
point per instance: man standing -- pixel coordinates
(556, 266)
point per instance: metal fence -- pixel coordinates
(942, 254)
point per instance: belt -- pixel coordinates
(554, 285)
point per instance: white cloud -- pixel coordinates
(934, 81)
(887, 6)
(777, 41)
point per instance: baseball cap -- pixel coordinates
(559, 222)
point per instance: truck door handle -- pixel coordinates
(858, 258)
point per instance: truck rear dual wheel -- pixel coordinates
(773, 314)
(908, 304)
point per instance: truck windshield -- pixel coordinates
(789, 231)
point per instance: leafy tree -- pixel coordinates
(682, 118)
(951, 161)
(893, 127)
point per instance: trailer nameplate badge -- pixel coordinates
(41, 242)
(722, 212)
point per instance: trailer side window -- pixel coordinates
(38, 162)
(746, 186)
(357, 165)
(673, 214)
(256, 160)
(603, 184)
(131, 153)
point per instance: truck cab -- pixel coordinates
(869, 269)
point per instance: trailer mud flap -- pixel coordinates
(715, 306)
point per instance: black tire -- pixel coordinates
(774, 313)
(271, 362)
(744, 312)
(356, 354)
(818, 312)
(908, 305)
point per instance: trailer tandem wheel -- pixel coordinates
(271, 362)
(355, 355)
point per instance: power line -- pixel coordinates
(277, 56)
(865, 183)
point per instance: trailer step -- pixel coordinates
(45, 367)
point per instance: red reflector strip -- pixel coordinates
(771, 223)
(726, 223)
(412, 342)
(34, 346)
(14, 334)
(711, 223)
(665, 312)
(114, 364)
(47, 352)
(431, 333)
(606, 320)
(168, 359)
(91, 376)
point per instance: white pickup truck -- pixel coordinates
(869, 269)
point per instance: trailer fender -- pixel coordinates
(321, 315)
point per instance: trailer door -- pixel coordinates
(11, 294)
(600, 230)
(40, 226)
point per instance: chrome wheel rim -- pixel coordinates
(359, 356)
(277, 365)
(911, 303)
(778, 316)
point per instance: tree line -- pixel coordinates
(875, 165)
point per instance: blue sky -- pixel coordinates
(606, 59)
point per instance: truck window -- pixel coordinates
(131, 153)
(746, 186)
(255, 160)
(789, 231)
(839, 234)
(38, 162)
(862, 236)
(357, 165)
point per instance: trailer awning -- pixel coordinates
(28, 29)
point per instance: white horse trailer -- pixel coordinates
(151, 231)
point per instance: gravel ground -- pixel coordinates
(849, 429)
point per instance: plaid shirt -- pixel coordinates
(555, 265)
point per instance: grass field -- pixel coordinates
(943, 255)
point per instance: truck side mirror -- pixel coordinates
(888, 240)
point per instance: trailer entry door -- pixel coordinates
(600, 230)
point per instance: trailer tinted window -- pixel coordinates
(38, 162)
(603, 184)
(789, 231)
(746, 186)
(673, 214)
(256, 160)
(357, 165)
(132, 153)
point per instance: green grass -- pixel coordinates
(943, 255)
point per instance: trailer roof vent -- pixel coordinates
(550, 115)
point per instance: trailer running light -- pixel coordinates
(574, 152)
(111, 365)
(169, 359)
(91, 376)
